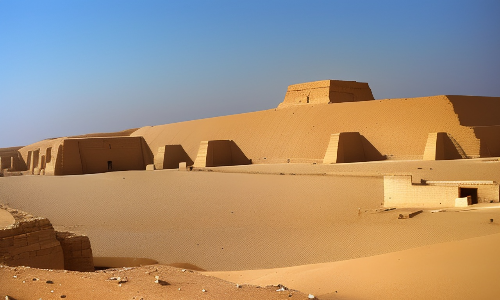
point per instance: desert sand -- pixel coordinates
(326, 219)
(285, 218)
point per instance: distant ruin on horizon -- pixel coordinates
(329, 121)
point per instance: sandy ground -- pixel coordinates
(134, 283)
(467, 269)
(233, 221)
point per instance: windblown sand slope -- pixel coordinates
(467, 269)
(225, 221)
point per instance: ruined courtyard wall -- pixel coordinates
(76, 251)
(32, 243)
(397, 128)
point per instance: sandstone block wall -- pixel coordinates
(487, 191)
(31, 242)
(77, 252)
(326, 91)
(400, 192)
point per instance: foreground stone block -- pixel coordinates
(30, 242)
(463, 201)
(408, 215)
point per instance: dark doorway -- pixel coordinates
(464, 192)
(110, 165)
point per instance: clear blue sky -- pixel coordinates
(82, 66)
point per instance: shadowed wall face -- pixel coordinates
(169, 157)
(98, 155)
(440, 146)
(220, 153)
(490, 140)
(347, 147)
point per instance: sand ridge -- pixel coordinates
(227, 221)
(467, 269)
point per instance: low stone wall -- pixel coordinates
(31, 242)
(77, 252)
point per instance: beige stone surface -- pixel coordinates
(399, 191)
(325, 92)
(462, 202)
(6, 219)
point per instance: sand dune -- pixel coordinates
(467, 269)
(225, 221)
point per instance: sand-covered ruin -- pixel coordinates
(332, 193)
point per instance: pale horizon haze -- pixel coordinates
(77, 67)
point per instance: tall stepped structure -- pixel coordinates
(299, 130)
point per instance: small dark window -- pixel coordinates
(110, 165)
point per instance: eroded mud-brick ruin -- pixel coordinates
(26, 240)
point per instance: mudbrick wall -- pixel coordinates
(76, 251)
(32, 241)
